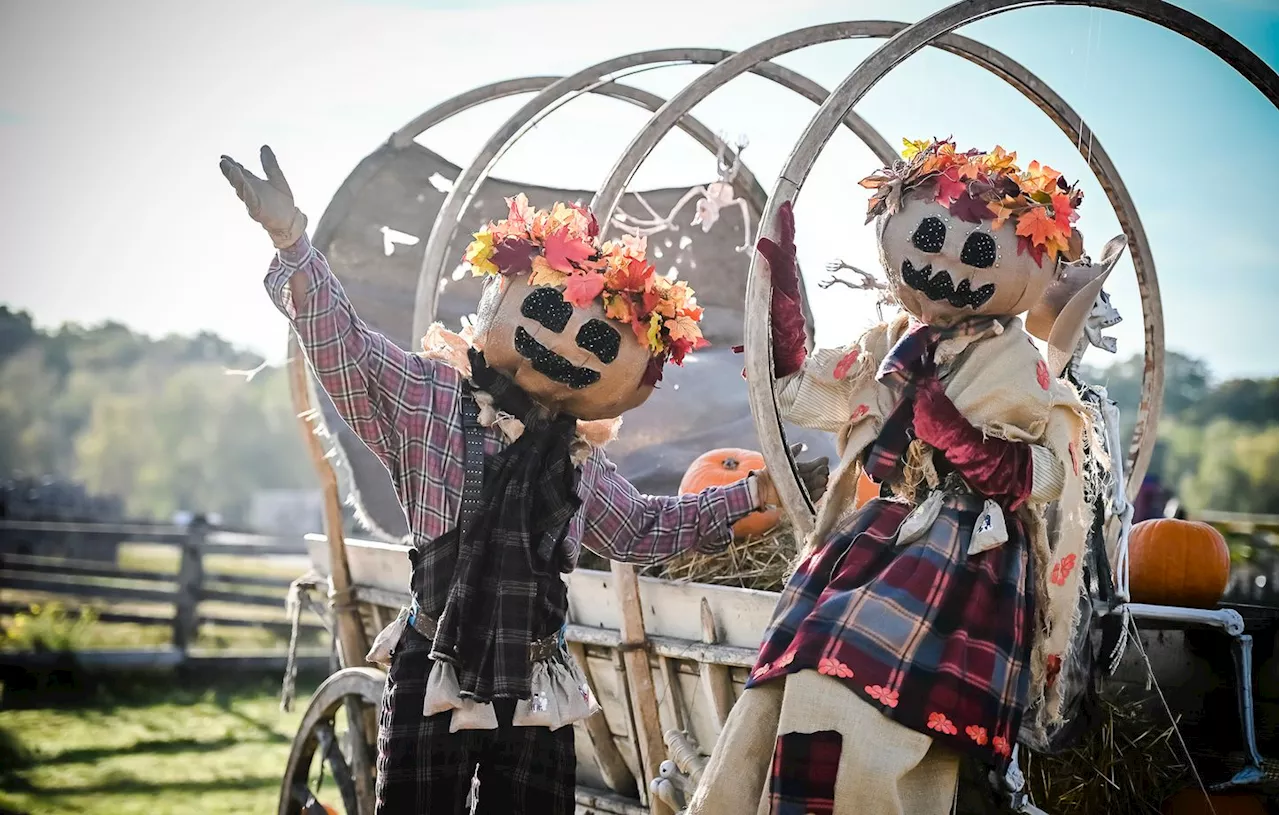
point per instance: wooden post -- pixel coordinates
(635, 655)
(716, 681)
(186, 619)
(612, 766)
(352, 642)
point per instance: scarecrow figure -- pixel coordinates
(493, 440)
(922, 626)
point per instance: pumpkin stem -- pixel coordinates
(731, 463)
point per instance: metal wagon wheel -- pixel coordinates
(348, 757)
(822, 126)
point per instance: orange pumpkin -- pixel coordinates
(1177, 563)
(867, 490)
(716, 468)
(1192, 801)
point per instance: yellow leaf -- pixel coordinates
(910, 149)
(544, 275)
(655, 329)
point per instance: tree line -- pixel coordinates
(164, 426)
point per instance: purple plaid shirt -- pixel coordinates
(407, 409)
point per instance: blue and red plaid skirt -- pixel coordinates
(939, 640)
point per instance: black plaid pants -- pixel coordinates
(423, 769)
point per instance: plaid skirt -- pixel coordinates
(936, 639)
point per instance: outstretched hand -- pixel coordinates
(813, 473)
(269, 201)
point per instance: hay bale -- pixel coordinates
(763, 563)
(1129, 763)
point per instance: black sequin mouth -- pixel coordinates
(939, 286)
(552, 365)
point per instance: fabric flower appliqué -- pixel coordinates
(846, 362)
(1061, 569)
(834, 667)
(978, 734)
(1042, 374)
(859, 412)
(886, 697)
(1001, 746)
(761, 671)
(1053, 666)
(942, 724)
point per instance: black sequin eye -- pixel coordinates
(546, 305)
(979, 251)
(599, 338)
(930, 235)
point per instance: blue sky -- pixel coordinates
(112, 118)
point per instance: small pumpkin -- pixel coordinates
(1178, 563)
(1193, 801)
(717, 468)
(867, 490)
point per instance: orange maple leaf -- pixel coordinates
(562, 251)
(1002, 210)
(683, 328)
(998, 160)
(583, 289)
(543, 275)
(618, 307)
(1039, 228)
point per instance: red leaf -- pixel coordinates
(583, 289)
(968, 208)
(950, 187)
(513, 256)
(562, 251)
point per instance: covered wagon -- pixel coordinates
(667, 659)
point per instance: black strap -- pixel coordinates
(473, 479)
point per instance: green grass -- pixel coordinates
(148, 747)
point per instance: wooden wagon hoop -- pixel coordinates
(455, 205)
(764, 408)
(746, 184)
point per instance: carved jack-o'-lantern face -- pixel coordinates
(568, 359)
(944, 269)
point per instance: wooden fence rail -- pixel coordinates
(77, 564)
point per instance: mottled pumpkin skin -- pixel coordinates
(867, 490)
(1191, 801)
(1177, 563)
(717, 468)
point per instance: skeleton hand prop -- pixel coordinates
(998, 469)
(785, 314)
(813, 474)
(269, 201)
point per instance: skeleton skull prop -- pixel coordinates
(569, 359)
(582, 327)
(965, 234)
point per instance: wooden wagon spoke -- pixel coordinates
(331, 753)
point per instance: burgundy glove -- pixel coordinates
(996, 468)
(785, 314)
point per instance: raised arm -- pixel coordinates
(379, 389)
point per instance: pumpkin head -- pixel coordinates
(567, 358)
(1177, 563)
(970, 233)
(1193, 801)
(943, 269)
(582, 326)
(718, 468)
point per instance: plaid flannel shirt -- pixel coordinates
(407, 409)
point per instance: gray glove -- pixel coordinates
(269, 201)
(813, 474)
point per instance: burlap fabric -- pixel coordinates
(806, 744)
